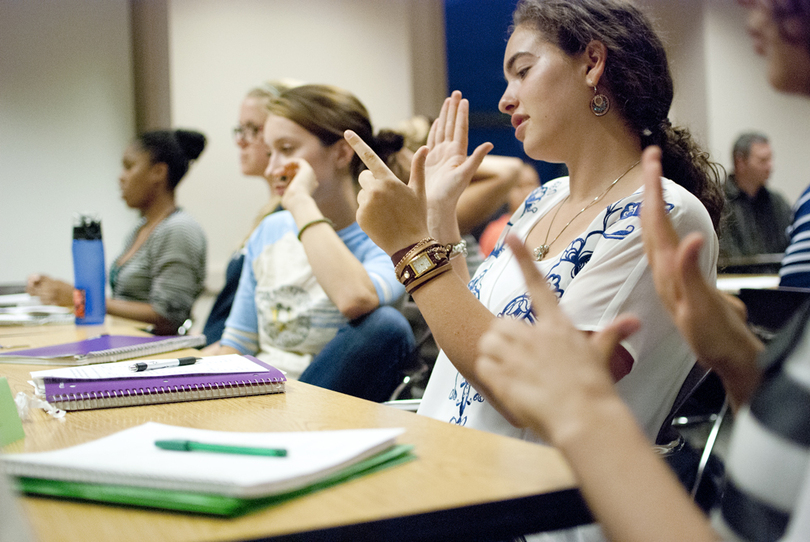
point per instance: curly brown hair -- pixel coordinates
(637, 78)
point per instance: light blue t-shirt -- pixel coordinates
(280, 312)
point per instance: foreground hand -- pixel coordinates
(393, 214)
(50, 291)
(447, 169)
(713, 325)
(548, 374)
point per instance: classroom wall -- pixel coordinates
(67, 101)
(219, 50)
(740, 98)
(721, 88)
(67, 107)
(66, 114)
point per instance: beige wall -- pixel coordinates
(66, 114)
(67, 105)
(721, 88)
(219, 50)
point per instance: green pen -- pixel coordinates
(192, 446)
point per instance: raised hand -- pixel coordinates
(301, 180)
(712, 324)
(393, 214)
(447, 168)
(546, 376)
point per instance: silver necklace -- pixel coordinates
(541, 251)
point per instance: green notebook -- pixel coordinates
(146, 476)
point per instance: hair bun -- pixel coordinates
(191, 141)
(387, 142)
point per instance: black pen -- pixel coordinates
(161, 364)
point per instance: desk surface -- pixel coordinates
(465, 484)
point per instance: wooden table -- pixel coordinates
(465, 484)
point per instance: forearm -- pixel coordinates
(718, 332)
(630, 490)
(218, 349)
(488, 190)
(143, 312)
(456, 319)
(341, 275)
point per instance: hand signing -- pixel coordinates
(392, 214)
(549, 374)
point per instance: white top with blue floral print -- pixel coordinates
(603, 273)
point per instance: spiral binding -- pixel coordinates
(126, 352)
(165, 394)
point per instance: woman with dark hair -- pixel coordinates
(162, 268)
(313, 284)
(587, 85)
(569, 396)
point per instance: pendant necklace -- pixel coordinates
(541, 251)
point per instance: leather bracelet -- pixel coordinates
(400, 255)
(422, 246)
(397, 256)
(423, 262)
(440, 269)
(312, 223)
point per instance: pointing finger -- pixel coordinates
(373, 162)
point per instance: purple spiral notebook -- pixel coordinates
(85, 394)
(102, 349)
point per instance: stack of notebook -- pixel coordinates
(130, 467)
(117, 384)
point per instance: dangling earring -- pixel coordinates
(600, 104)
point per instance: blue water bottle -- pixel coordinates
(89, 278)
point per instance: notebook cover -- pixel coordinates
(62, 389)
(204, 503)
(87, 346)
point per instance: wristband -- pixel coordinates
(312, 223)
(423, 262)
(399, 255)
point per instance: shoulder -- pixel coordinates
(272, 228)
(181, 226)
(685, 208)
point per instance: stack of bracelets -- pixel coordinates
(424, 261)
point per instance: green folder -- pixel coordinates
(203, 503)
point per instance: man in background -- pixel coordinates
(756, 219)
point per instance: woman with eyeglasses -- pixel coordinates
(311, 296)
(627, 487)
(162, 268)
(253, 161)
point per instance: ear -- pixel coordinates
(159, 173)
(343, 153)
(595, 57)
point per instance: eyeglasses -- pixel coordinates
(246, 132)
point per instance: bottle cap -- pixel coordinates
(86, 226)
